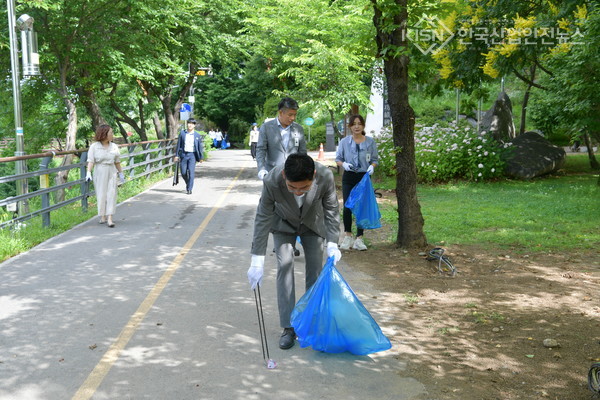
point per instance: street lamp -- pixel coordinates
(30, 67)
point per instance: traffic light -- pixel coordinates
(204, 71)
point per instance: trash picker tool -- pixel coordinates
(261, 326)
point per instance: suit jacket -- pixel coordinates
(269, 149)
(278, 211)
(198, 145)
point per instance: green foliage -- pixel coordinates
(570, 106)
(431, 110)
(319, 52)
(238, 131)
(269, 109)
(231, 97)
(317, 136)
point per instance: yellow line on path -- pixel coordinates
(96, 377)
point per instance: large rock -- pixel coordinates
(531, 155)
(498, 120)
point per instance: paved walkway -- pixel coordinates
(160, 308)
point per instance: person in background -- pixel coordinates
(213, 137)
(190, 150)
(357, 154)
(279, 137)
(104, 159)
(253, 140)
(219, 138)
(225, 142)
(298, 199)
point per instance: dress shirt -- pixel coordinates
(285, 134)
(360, 155)
(189, 142)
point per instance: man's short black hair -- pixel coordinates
(299, 167)
(287, 103)
(191, 121)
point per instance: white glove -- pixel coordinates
(121, 178)
(255, 272)
(371, 169)
(347, 166)
(262, 173)
(88, 176)
(333, 251)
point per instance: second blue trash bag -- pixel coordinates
(363, 204)
(330, 318)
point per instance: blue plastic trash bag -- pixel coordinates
(363, 204)
(330, 318)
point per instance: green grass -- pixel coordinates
(15, 241)
(578, 163)
(549, 214)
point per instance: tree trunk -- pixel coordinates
(526, 101)
(140, 128)
(170, 111)
(88, 99)
(62, 176)
(590, 150)
(171, 121)
(410, 219)
(158, 127)
(336, 131)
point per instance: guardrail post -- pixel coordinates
(45, 184)
(171, 153)
(148, 157)
(84, 188)
(131, 161)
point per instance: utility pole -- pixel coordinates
(30, 67)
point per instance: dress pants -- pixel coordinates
(284, 252)
(188, 169)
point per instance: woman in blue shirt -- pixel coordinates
(357, 154)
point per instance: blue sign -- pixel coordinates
(309, 121)
(185, 107)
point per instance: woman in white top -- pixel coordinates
(357, 154)
(104, 157)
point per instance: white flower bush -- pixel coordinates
(443, 153)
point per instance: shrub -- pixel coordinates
(447, 152)
(386, 151)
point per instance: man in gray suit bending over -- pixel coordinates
(298, 199)
(279, 137)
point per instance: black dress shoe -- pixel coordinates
(287, 339)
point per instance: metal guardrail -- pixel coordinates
(157, 156)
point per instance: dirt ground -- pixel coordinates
(480, 334)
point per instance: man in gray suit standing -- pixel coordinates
(279, 137)
(298, 199)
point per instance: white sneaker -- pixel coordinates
(359, 244)
(346, 243)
